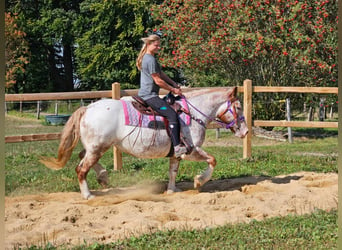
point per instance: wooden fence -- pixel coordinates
(247, 89)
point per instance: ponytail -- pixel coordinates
(147, 40)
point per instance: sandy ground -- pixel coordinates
(64, 218)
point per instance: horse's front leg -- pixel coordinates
(173, 170)
(200, 155)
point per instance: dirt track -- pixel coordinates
(64, 218)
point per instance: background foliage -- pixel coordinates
(283, 42)
(83, 43)
(273, 43)
(50, 38)
(16, 50)
(108, 41)
(91, 44)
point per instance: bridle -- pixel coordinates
(230, 108)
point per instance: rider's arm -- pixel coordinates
(169, 80)
(163, 84)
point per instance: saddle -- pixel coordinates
(141, 106)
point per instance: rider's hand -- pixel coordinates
(177, 86)
(176, 91)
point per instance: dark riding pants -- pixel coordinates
(164, 109)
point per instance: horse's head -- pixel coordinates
(231, 114)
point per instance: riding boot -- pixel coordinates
(180, 150)
(175, 132)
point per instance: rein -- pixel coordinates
(221, 123)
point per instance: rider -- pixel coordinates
(152, 78)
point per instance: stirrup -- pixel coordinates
(181, 150)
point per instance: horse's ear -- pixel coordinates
(232, 93)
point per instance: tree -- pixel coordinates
(16, 50)
(87, 42)
(108, 42)
(48, 25)
(273, 42)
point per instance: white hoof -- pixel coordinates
(170, 191)
(90, 197)
(175, 190)
(197, 181)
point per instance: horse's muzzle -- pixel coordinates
(241, 133)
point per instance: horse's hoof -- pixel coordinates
(88, 197)
(197, 182)
(102, 178)
(170, 191)
(91, 197)
(103, 183)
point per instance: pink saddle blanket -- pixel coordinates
(134, 118)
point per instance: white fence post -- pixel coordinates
(38, 110)
(288, 118)
(56, 108)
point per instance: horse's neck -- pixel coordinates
(207, 104)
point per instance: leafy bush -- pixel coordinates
(273, 43)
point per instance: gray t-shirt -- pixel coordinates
(148, 88)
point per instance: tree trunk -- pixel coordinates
(311, 114)
(55, 76)
(68, 68)
(321, 109)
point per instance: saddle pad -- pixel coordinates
(134, 118)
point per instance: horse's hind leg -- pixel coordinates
(173, 170)
(82, 171)
(101, 172)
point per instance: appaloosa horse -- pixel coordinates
(102, 124)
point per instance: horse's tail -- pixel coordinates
(69, 139)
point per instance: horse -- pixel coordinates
(101, 125)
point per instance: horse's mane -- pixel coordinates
(197, 92)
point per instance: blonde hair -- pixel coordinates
(147, 40)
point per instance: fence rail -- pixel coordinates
(32, 137)
(298, 124)
(247, 89)
(58, 96)
(315, 90)
(82, 94)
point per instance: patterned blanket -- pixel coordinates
(135, 118)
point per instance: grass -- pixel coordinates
(289, 232)
(314, 231)
(25, 175)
